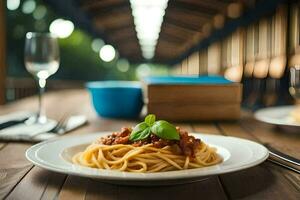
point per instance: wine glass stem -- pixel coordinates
(41, 118)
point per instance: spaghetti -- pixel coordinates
(149, 157)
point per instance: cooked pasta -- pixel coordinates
(151, 146)
(146, 158)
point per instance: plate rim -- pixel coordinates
(142, 176)
(257, 116)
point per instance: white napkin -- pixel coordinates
(35, 132)
(26, 131)
(15, 116)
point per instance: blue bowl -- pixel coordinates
(116, 99)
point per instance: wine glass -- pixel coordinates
(41, 60)
(295, 82)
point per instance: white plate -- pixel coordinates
(279, 116)
(55, 155)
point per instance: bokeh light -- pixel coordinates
(28, 6)
(107, 53)
(143, 70)
(40, 12)
(97, 44)
(61, 28)
(13, 4)
(123, 65)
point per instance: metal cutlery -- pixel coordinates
(12, 123)
(284, 165)
(65, 124)
(279, 158)
(280, 155)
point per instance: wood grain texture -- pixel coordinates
(259, 182)
(32, 185)
(206, 94)
(194, 112)
(74, 188)
(18, 180)
(9, 177)
(206, 128)
(265, 181)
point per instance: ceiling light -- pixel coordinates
(148, 17)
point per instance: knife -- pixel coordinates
(12, 123)
(282, 156)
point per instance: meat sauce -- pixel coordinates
(187, 143)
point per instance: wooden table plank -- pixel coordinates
(206, 128)
(261, 182)
(12, 155)
(24, 182)
(31, 187)
(9, 177)
(13, 166)
(74, 188)
(38, 184)
(257, 182)
(284, 141)
(54, 185)
(82, 107)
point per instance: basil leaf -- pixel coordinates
(143, 135)
(165, 130)
(150, 119)
(140, 131)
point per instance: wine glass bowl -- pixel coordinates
(41, 57)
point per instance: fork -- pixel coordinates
(61, 125)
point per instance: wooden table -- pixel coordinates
(19, 179)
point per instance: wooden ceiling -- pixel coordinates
(186, 22)
(183, 25)
(114, 19)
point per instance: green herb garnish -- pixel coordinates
(161, 128)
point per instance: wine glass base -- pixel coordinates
(41, 119)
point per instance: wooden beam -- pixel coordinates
(2, 52)
(178, 30)
(192, 9)
(170, 32)
(170, 38)
(126, 33)
(212, 4)
(188, 17)
(182, 23)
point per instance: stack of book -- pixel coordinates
(193, 98)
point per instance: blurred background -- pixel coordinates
(80, 46)
(249, 41)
